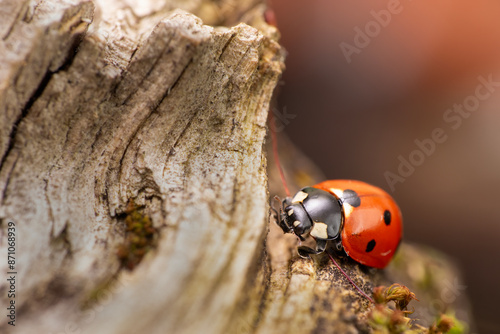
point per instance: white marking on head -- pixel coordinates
(319, 230)
(299, 197)
(290, 212)
(296, 223)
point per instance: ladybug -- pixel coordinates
(360, 219)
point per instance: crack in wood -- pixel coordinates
(47, 198)
(174, 84)
(44, 82)
(229, 41)
(24, 112)
(7, 181)
(177, 140)
(20, 13)
(149, 71)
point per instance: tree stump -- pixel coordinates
(133, 173)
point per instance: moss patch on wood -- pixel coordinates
(383, 319)
(140, 237)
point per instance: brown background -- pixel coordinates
(355, 119)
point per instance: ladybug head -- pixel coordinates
(294, 218)
(308, 208)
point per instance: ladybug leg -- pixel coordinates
(276, 214)
(305, 251)
(338, 248)
(283, 224)
(338, 245)
(320, 245)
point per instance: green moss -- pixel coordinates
(458, 327)
(140, 237)
(385, 320)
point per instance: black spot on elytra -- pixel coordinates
(351, 197)
(387, 217)
(370, 246)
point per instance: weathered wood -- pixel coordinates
(171, 115)
(133, 167)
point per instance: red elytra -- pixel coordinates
(372, 230)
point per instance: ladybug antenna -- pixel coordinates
(349, 279)
(276, 213)
(274, 140)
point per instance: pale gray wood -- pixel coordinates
(171, 115)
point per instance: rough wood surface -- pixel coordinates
(132, 164)
(161, 110)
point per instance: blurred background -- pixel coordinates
(366, 79)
